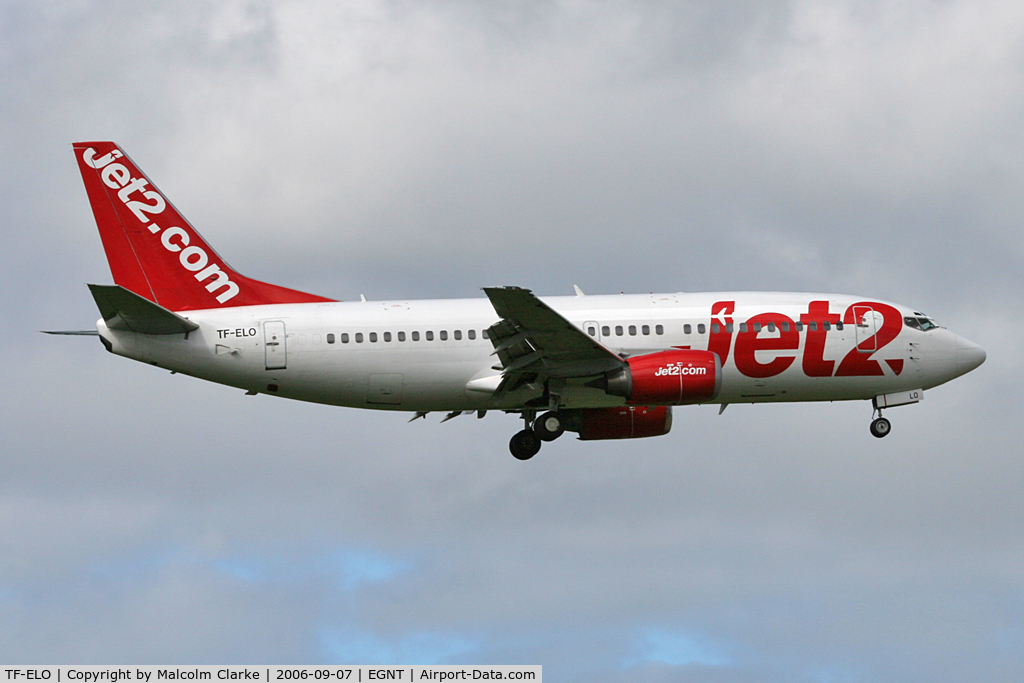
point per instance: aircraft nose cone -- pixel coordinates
(968, 356)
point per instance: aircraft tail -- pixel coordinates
(153, 251)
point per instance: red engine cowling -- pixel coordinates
(627, 422)
(674, 377)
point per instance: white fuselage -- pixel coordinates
(432, 355)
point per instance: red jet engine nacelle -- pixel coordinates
(677, 377)
(627, 422)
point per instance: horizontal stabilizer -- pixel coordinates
(80, 333)
(125, 310)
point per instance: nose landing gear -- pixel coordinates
(879, 426)
(548, 427)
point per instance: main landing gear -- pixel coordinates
(548, 426)
(526, 444)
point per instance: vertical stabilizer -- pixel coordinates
(153, 251)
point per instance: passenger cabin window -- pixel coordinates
(687, 328)
(330, 338)
(632, 330)
(799, 327)
(826, 325)
(387, 336)
(771, 327)
(344, 337)
(471, 334)
(373, 337)
(701, 329)
(743, 327)
(457, 334)
(785, 327)
(715, 328)
(659, 329)
(401, 336)
(728, 328)
(811, 327)
(839, 325)
(618, 330)
(444, 335)
(605, 330)
(484, 334)
(591, 330)
(430, 335)
(416, 336)
(359, 337)
(757, 327)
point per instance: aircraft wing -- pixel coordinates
(532, 339)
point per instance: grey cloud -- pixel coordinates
(416, 150)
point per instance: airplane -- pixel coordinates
(603, 367)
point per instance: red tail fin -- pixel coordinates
(152, 250)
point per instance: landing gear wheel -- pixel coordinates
(524, 445)
(880, 427)
(548, 426)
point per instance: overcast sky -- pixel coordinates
(425, 149)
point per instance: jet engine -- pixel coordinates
(676, 377)
(626, 422)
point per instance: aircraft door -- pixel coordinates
(592, 329)
(866, 327)
(276, 346)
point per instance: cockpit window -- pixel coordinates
(924, 323)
